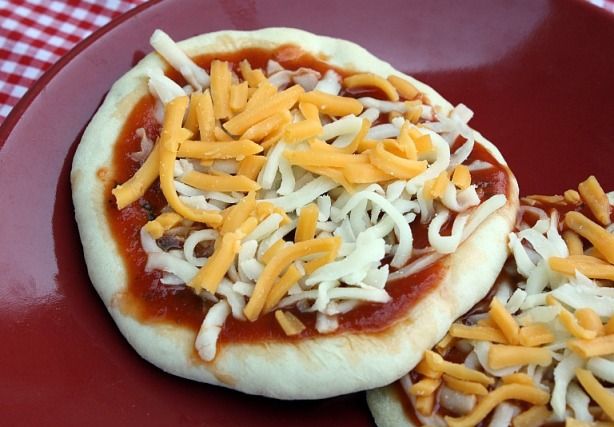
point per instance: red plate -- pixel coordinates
(537, 74)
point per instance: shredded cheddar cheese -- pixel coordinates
(425, 387)
(535, 335)
(464, 386)
(332, 105)
(162, 223)
(289, 322)
(603, 397)
(371, 80)
(504, 321)
(503, 356)
(403, 87)
(484, 333)
(279, 102)
(135, 187)
(212, 273)
(532, 417)
(599, 346)
(277, 264)
(307, 222)
(456, 370)
(593, 232)
(282, 197)
(593, 195)
(540, 331)
(500, 394)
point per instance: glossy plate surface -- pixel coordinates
(538, 75)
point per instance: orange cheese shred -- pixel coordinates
(238, 96)
(480, 333)
(573, 242)
(570, 322)
(589, 320)
(252, 77)
(503, 356)
(272, 250)
(504, 321)
(332, 105)
(414, 111)
(249, 116)
(603, 397)
(372, 80)
(218, 150)
(307, 222)
(335, 174)
(423, 369)
(250, 166)
(500, 394)
(406, 143)
(464, 386)
(266, 127)
(593, 232)
(191, 121)
(394, 165)
(224, 183)
(221, 80)
(425, 404)
(264, 91)
(162, 223)
(425, 386)
(435, 362)
(280, 289)
(303, 130)
(168, 152)
(461, 177)
(591, 267)
(517, 378)
(439, 185)
(211, 274)
(535, 416)
(597, 201)
(365, 174)
(599, 346)
(237, 214)
(205, 116)
(573, 197)
(289, 323)
(535, 335)
(131, 190)
(403, 87)
(319, 158)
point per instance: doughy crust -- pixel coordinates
(312, 368)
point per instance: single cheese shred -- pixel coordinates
(546, 339)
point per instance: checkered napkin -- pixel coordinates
(34, 34)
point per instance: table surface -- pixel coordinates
(34, 34)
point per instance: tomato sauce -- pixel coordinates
(150, 301)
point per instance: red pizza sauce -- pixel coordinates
(150, 301)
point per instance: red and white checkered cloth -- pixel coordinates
(34, 34)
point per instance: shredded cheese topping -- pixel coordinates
(547, 340)
(285, 196)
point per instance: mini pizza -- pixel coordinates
(284, 214)
(538, 350)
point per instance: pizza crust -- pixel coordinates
(312, 368)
